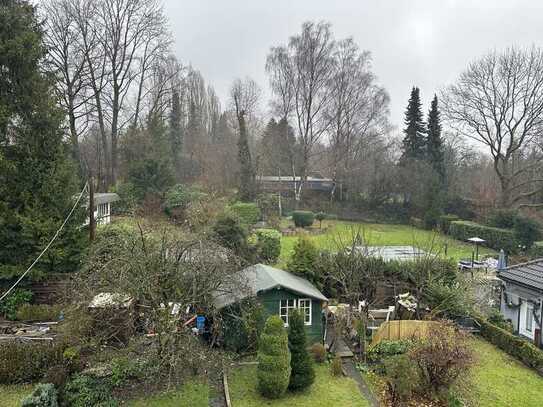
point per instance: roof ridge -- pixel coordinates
(526, 263)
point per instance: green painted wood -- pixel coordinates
(270, 300)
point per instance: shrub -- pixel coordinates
(268, 205)
(303, 219)
(445, 222)
(402, 377)
(86, 391)
(496, 238)
(248, 213)
(319, 352)
(124, 369)
(128, 198)
(273, 371)
(387, 348)
(302, 373)
(442, 357)
(44, 395)
(511, 344)
(10, 305)
(230, 233)
(502, 218)
(57, 375)
(495, 317)
(526, 231)
(537, 249)
(38, 312)
(267, 243)
(320, 216)
(336, 367)
(23, 362)
(304, 261)
(179, 197)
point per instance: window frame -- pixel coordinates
(287, 307)
(296, 305)
(528, 317)
(309, 307)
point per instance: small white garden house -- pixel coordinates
(102, 207)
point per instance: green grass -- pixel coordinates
(325, 392)
(383, 235)
(191, 394)
(500, 380)
(11, 395)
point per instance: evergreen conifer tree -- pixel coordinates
(414, 142)
(246, 179)
(302, 372)
(434, 143)
(176, 132)
(37, 177)
(304, 261)
(273, 372)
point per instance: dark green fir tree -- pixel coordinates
(37, 176)
(434, 143)
(302, 372)
(246, 179)
(414, 142)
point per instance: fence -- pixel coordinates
(402, 329)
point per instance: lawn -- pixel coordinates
(191, 394)
(326, 391)
(383, 235)
(11, 395)
(500, 380)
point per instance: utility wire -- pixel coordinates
(48, 245)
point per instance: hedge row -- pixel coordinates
(515, 346)
(496, 238)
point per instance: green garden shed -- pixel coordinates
(280, 292)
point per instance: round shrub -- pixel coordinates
(268, 244)
(526, 231)
(335, 367)
(44, 395)
(230, 233)
(179, 197)
(302, 373)
(320, 216)
(303, 219)
(248, 213)
(304, 261)
(273, 372)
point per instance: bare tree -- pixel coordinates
(300, 75)
(498, 102)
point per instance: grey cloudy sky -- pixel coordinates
(426, 43)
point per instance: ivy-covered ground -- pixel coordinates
(381, 235)
(326, 391)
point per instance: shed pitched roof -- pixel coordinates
(529, 274)
(260, 277)
(105, 197)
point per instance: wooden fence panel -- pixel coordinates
(402, 329)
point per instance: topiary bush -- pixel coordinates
(302, 372)
(273, 372)
(320, 216)
(44, 395)
(24, 362)
(248, 213)
(496, 238)
(303, 219)
(267, 243)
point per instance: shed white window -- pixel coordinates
(304, 305)
(286, 307)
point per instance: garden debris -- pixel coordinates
(19, 330)
(108, 300)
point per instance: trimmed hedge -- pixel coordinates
(496, 238)
(22, 362)
(515, 346)
(303, 219)
(248, 213)
(445, 222)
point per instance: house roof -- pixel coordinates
(101, 198)
(286, 178)
(260, 278)
(529, 274)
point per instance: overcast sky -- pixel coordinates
(426, 43)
